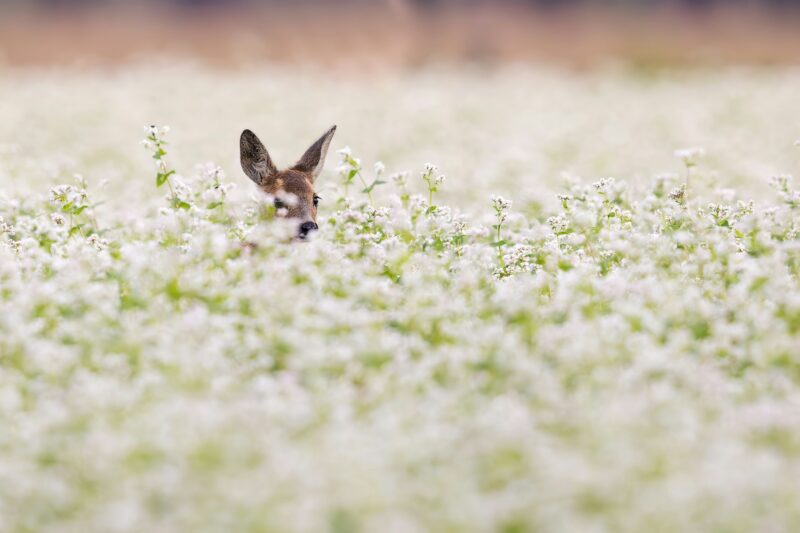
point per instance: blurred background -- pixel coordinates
(507, 97)
(401, 33)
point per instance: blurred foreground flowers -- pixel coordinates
(628, 362)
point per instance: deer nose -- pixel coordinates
(307, 227)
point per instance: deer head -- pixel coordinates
(292, 189)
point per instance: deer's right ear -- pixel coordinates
(256, 162)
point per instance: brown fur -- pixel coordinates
(293, 189)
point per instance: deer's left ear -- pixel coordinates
(314, 158)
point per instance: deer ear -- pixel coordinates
(256, 162)
(314, 158)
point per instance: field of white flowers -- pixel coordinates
(584, 317)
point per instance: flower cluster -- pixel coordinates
(602, 353)
(620, 356)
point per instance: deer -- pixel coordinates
(292, 189)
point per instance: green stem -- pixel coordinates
(366, 187)
(500, 249)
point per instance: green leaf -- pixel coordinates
(162, 177)
(498, 244)
(173, 290)
(372, 186)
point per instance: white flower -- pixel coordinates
(500, 204)
(59, 193)
(380, 168)
(559, 223)
(287, 198)
(155, 131)
(678, 194)
(781, 181)
(689, 156)
(603, 185)
(97, 242)
(400, 179)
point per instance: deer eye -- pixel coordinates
(279, 204)
(316, 200)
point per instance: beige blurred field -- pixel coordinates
(399, 34)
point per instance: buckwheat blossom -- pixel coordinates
(287, 198)
(614, 359)
(400, 179)
(97, 242)
(559, 223)
(500, 203)
(678, 194)
(690, 156)
(603, 185)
